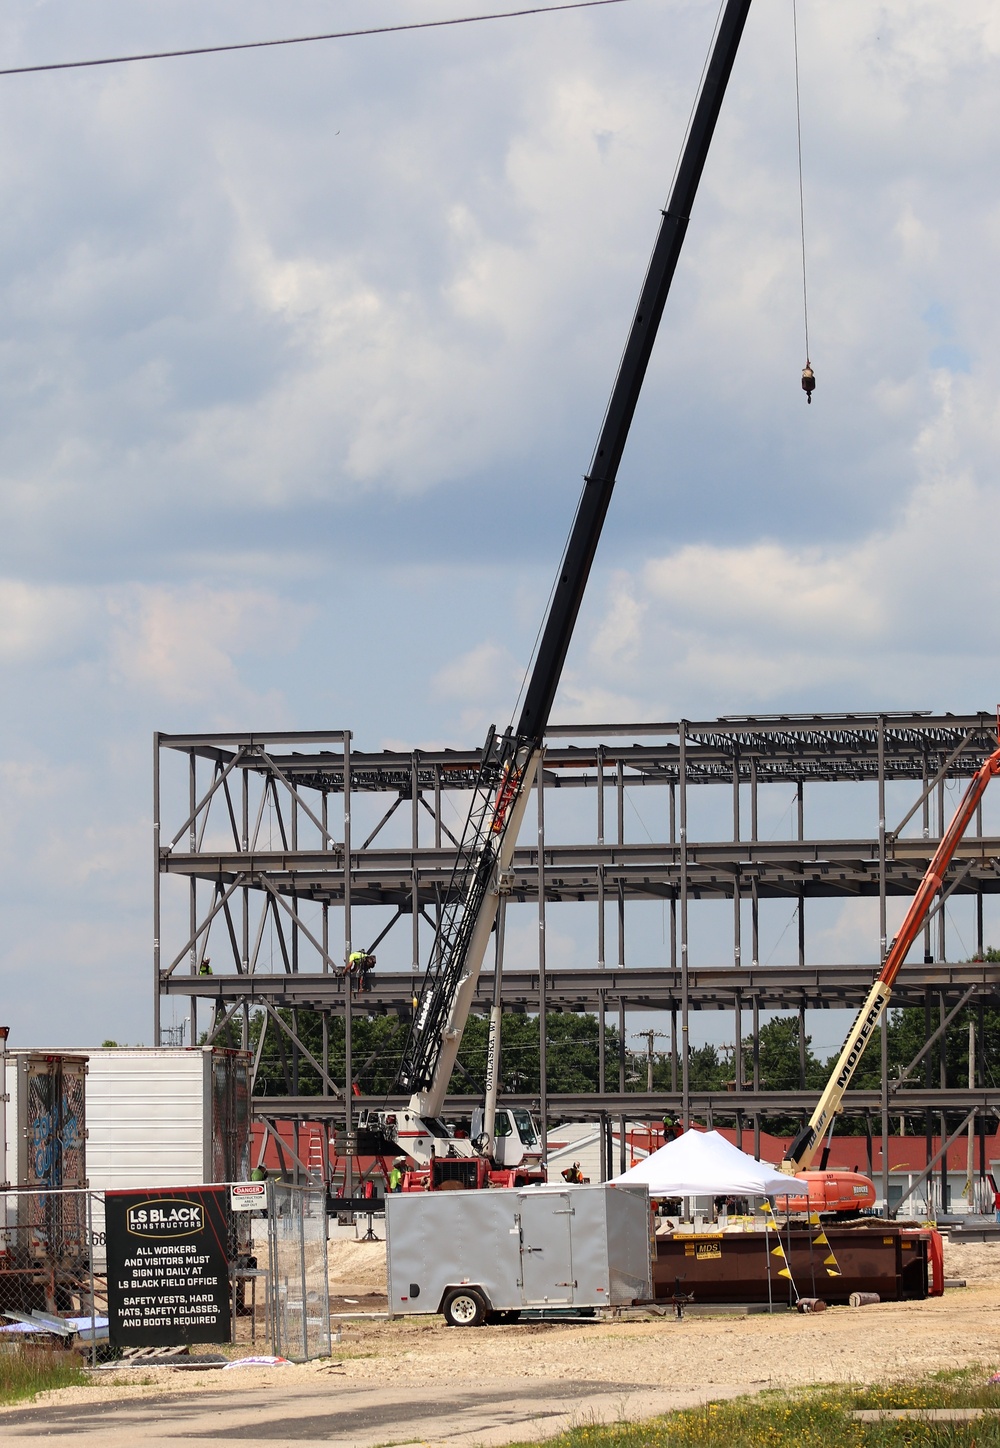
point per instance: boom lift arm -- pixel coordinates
(510, 762)
(803, 1149)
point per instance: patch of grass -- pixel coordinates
(27, 1371)
(955, 1388)
(818, 1417)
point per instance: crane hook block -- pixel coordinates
(808, 382)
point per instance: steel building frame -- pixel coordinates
(260, 830)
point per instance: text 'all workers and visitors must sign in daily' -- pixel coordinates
(168, 1266)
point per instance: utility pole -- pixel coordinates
(649, 1037)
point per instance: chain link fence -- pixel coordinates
(299, 1293)
(48, 1279)
(54, 1274)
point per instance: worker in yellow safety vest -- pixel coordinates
(359, 964)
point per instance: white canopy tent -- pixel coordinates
(705, 1164)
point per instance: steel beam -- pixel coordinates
(275, 838)
(640, 1105)
(657, 987)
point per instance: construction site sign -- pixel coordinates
(248, 1197)
(168, 1266)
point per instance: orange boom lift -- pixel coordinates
(804, 1147)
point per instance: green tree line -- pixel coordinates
(572, 1055)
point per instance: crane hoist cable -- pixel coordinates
(808, 375)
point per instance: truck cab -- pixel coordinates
(517, 1140)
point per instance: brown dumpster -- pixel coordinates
(745, 1267)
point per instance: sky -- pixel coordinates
(303, 353)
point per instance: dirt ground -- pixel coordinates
(890, 1340)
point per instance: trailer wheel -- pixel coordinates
(464, 1307)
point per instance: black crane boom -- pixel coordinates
(603, 473)
(509, 761)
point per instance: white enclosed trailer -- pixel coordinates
(167, 1117)
(478, 1255)
(162, 1117)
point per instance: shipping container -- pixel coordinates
(480, 1255)
(127, 1117)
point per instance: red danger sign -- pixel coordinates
(248, 1196)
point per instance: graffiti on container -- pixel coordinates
(49, 1144)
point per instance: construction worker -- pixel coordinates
(206, 967)
(359, 964)
(396, 1174)
(572, 1173)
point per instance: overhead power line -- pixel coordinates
(307, 39)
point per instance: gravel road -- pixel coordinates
(891, 1340)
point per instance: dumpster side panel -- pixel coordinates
(740, 1267)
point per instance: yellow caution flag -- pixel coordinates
(779, 1251)
(822, 1240)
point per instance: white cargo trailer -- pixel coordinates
(489, 1255)
(167, 1117)
(164, 1117)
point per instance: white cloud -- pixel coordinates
(37, 621)
(183, 646)
(888, 619)
(483, 683)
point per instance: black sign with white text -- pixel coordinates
(168, 1266)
